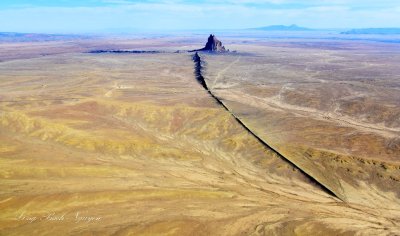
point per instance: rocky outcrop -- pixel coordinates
(197, 71)
(212, 45)
(124, 51)
(199, 77)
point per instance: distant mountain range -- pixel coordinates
(373, 31)
(282, 28)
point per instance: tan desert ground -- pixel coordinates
(305, 140)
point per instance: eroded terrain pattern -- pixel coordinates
(334, 112)
(135, 140)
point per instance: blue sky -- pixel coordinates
(92, 16)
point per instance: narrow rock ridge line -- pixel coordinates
(199, 77)
(125, 51)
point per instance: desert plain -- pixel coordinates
(132, 144)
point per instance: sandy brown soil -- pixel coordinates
(135, 142)
(335, 113)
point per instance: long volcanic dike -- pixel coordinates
(199, 77)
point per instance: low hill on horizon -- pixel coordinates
(282, 28)
(373, 31)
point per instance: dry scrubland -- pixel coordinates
(135, 140)
(333, 112)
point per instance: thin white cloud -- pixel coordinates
(181, 15)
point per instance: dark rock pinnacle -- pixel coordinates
(213, 45)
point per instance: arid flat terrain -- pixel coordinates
(333, 111)
(132, 144)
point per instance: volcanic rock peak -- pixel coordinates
(213, 44)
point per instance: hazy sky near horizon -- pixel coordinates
(94, 16)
